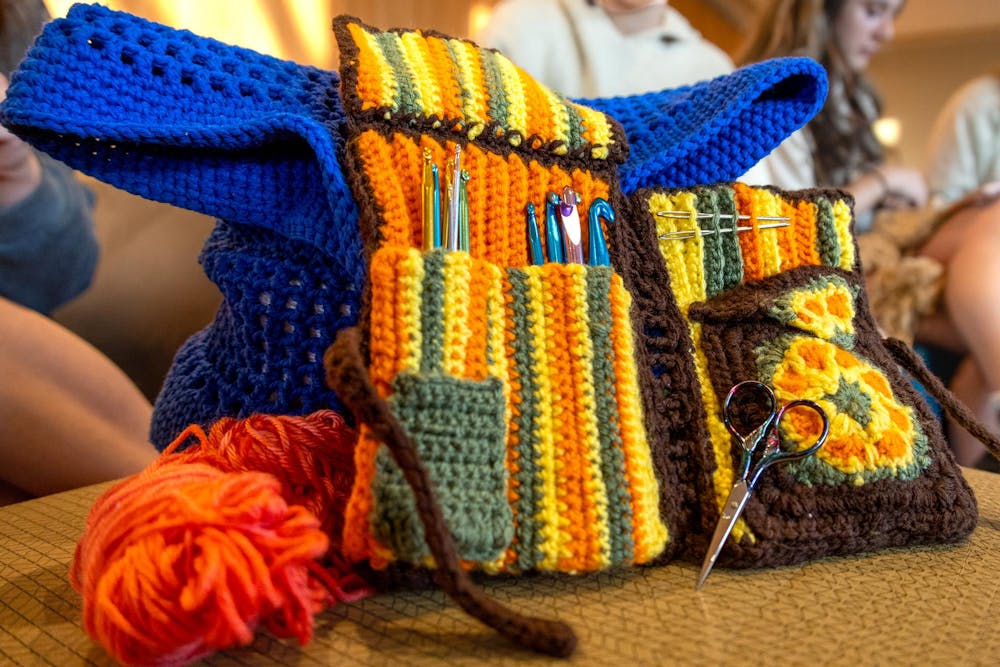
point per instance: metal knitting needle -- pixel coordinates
(684, 215)
(691, 233)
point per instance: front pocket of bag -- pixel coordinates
(554, 342)
(879, 479)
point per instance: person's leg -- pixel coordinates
(969, 246)
(970, 388)
(68, 416)
(972, 291)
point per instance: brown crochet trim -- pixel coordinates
(908, 359)
(445, 129)
(348, 377)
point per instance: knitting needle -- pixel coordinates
(691, 233)
(684, 215)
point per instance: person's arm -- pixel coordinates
(790, 165)
(48, 250)
(888, 187)
(965, 142)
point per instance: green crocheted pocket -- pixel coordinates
(458, 427)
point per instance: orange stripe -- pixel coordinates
(451, 92)
(753, 263)
(509, 244)
(397, 223)
(587, 531)
(790, 255)
(628, 415)
(806, 232)
(540, 120)
(567, 454)
(370, 65)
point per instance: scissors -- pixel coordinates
(764, 440)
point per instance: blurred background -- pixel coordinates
(149, 294)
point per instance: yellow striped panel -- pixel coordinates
(595, 491)
(517, 106)
(457, 332)
(842, 223)
(548, 515)
(649, 532)
(414, 47)
(688, 283)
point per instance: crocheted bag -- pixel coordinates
(257, 142)
(549, 463)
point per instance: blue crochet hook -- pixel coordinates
(534, 237)
(553, 230)
(597, 254)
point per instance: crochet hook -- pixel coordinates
(463, 211)
(534, 238)
(437, 205)
(596, 245)
(453, 201)
(553, 237)
(427, 201)
(569, 217)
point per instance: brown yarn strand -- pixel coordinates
(908, 359)
(346, 375)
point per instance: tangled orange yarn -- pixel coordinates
(194, 553)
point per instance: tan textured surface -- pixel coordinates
(922, 606)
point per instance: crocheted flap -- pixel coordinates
(191, 121)
(783, 303)
(434, 83)
(714, 131)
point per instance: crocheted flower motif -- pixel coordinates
(824, 307)
(872, 435)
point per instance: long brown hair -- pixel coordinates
(20, 22)
(844, 140)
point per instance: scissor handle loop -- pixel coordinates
(757, 387)
(778, 455)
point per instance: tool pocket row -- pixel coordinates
(515, 376)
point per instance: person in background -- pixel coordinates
(838, 148)
(964, 174)
(606, 48)
(603, 48)
(68, 416)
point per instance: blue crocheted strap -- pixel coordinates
(190, 121)
(714, 131)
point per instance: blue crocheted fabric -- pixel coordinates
(256, 142)
(715, 130)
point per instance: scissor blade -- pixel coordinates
(731, 512)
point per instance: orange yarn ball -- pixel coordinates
(193, 554)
